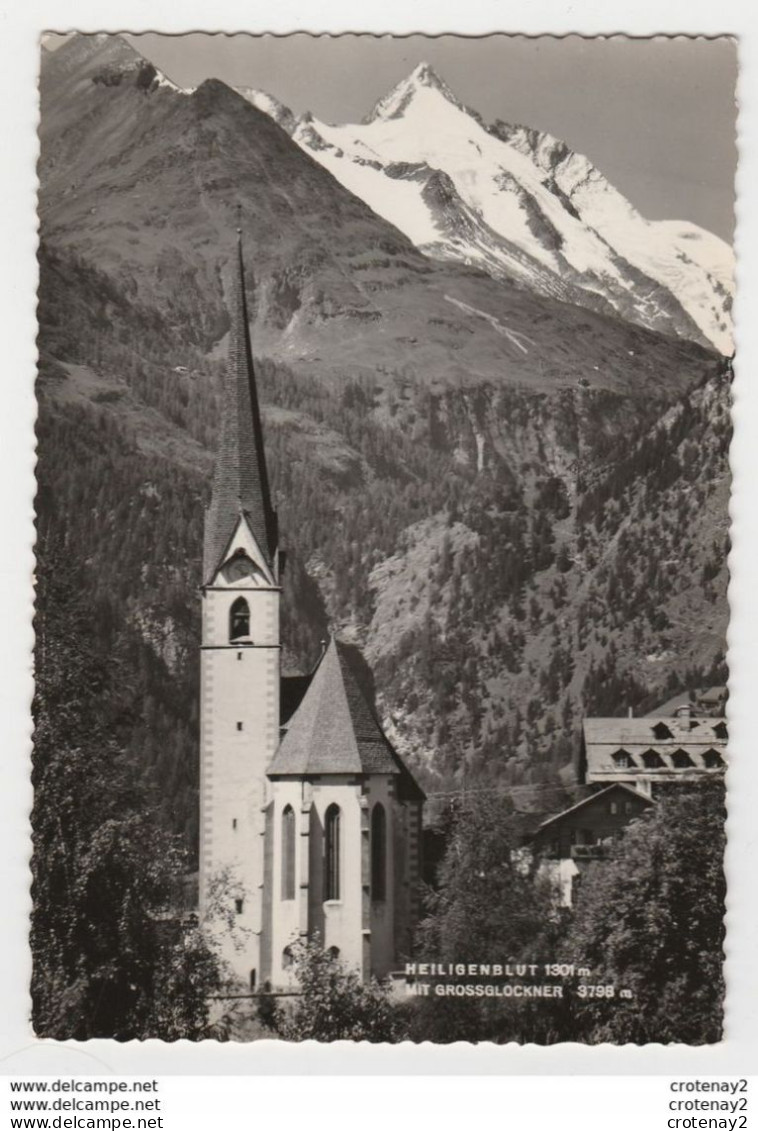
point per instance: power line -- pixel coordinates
(496, 790)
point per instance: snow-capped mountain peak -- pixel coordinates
(423, 80)
(522, 205)
(425, 75)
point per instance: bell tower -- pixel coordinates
(240, 661)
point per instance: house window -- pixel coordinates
(378, 853)
(239, 905)
(622, 760)
(681, 760)
(713, 760)
(613, 807)
(239, 619)
(288, 853)
(628, 807)
(332, 855)
(652, 760)
(661, 731)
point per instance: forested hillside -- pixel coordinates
(513, 534)
(495, 606)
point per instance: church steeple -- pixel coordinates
(240, 483)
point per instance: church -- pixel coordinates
(310, 822)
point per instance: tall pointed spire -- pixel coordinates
(240, 483)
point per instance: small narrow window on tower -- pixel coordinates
(239, 904)
(234, 822)
(239, 726)
(239, 620)
(239, 655)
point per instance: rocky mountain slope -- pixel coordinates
(148, 184)
(521, 205)
(513, 505)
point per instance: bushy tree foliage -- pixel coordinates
(487, 908)
(334, 1004)
(651, 920)
(486, 902)
(112, 956)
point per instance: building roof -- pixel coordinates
(334, 730)
(663, 734)
(713, 695)
(593, 797)
(240, 483)
(651, 731)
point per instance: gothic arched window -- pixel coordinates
(378, 853)
(239, 619)
(288, 853)
(332, 854)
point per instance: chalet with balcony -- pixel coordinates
(568, 843)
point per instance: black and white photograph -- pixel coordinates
(382, 534)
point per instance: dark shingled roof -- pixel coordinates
(335, 731)
(615, 786)
(240, 483)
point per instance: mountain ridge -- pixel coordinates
(434, 436)
(534, 193)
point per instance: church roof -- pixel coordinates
(334, 730)
(240, 483)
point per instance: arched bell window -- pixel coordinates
(332, 853)
(378, 853)
(239, 620)
(288, 853)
